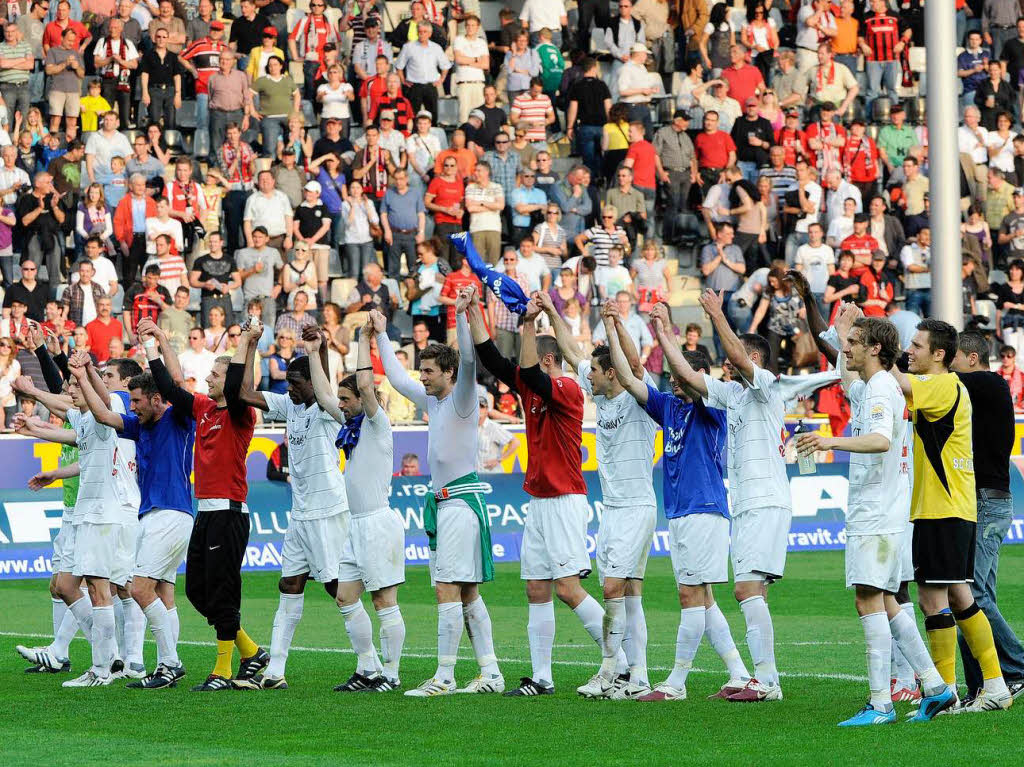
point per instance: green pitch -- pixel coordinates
(820, 653)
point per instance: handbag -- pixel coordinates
(805, 351)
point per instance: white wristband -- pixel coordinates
(149, 343)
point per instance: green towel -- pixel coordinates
(469, 489)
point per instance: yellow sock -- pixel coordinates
(225, 649)
(978, 633)
(246, 647)
(942, 640)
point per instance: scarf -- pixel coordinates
(113, 70)
(376, 179)
(506, 289)
(469, 489)
(830, 79)
(348, 435)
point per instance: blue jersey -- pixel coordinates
(165, 460)
(694, 464)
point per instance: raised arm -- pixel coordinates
(161, 349)
(100, 409)
(364, 372)
(246, 355)
(51, 373)
(465, 386)
(57, 404)
(571, 352)
(529, 363)
(734, 350)
(153, 340)
(629, 350)
(396, 374)
(623, 370)
(326, 396)
(34, 427)
(502, 369)
(94, 379)
(677, 363)
(815, 322)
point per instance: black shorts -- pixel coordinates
(943, 550)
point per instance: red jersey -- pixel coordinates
(374, 89)
(446, 194)
(713, 149)
(53, 34)
(793, 141)
(881, 33)
(876, 291)
(100, 335)
(643, 155)
(450, 289)
(860, 159)
(554, 432)
(827, 157)
(222, 443)
(861, 247)
(205, 57)
(1015, 380)
(743, 82)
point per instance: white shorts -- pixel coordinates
(314, 546)
(457, 557)
(555, 539)
(699, 544)
(624, 541)
(162, 544)
(64, 546)
(759, 541)
(874, 560)
(105, 551)
(374, 551)
(907, 553)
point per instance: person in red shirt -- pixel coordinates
(53, 34)
(715, 151)
(554, 551)
(224, 429)
(861, 244)
(445, 199)
(460, 276)
(879, 291)
(373, 89)
(102, 329)
(824, 140)
(640, 159)
(882, 45)
(744, 80)
(792, 138)
(860, 159)
(1013, 376)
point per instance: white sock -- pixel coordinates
(104, 643)
(761, 639)
(69, 627)
(119, 636)
(691, 629)
(904, 631)
(613, 626)
(541, 631)
(634, 642)
(392, 638)
(903, 672)
(449, 634)
(716, 628)
(58, 608)
(286, 620)
(166, 652)
(591, 615)
(478, 626)
(134, 631)
(172, 617)
(996, 686)
(360, 634)
(878, 641)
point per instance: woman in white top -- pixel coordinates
(421, 148)
(551, 239)
(650, 272)
(358, 213)
(93, 217)
(300, 274)
(216, 333)
(10, 369)
(334, 96)
(692, 88)
(999, 144)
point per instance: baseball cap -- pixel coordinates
(216, 24)
(426, 113)
(877, 255)
(477, 114)
(269, 32)
(387, 114)
(792, 113)
(681, 114)
(312, 186)
(1019, 190)
(639, 48)
(751, 101)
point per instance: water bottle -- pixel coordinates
(805, 462)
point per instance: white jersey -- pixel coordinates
(876, 503)
(318, 488)
(757, 440)
(625, 445)
(369, 466)
(108, 485)
(452, 446)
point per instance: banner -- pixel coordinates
(29, 521)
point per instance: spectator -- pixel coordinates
(842, 286)
(817, 262)
(551, 239)
(505, 164)
(879, 290)
(825, 140)
(289, 177)
(886, 229)
(423, 289)
(715, 151)
(459, 277)
(532, 110)
(422, 149)
(217, 276)
(614, 278)
(526, 203)
(741, 207)
(256, 268)
(445, 199)
(176, 321)
(332, 142)
(602, 236)
(1010, 306)
(296, 318)
(116, 58)
(589, 102)
(485, 202)
(238, 163)
(860, 159)
(146, 299)
(896, 139)
(722, 265)
(790, 82)
(977, 228)
(752, 136)
(360, 217)
(1013, 375)
(410, 466)
(40, 218)
(10, 369)
(972, 67)
(103, 145)
(19, 63)
(804, 202)
(423, 64)
(837, 191)
(1011, 230)
(745, 81)
(420, 341)
(105, 274)
(373, 165)
(163, 224)
(299, 274)
(333, 191)
(882, 44)
(472, 61)
(81, 297)
(574, 201)
(651, 274)
(230, 104)
(306, 43)
(716, 99)
(784, 310)
(495, 117)
(279, 97)
(272, 209)
(504, 323)
(969, 285)
(92, 219)
(993, 96)
(998, 199)
(496, 443)
(861, 243)
(634, 324)
(403, 220)
(522, 64)
(760, 36)
(916, 260)
(196, 362)
(173, 271)
(66, 70)
(29, 291)
(831, 82)
(815, 23)
(102, 329)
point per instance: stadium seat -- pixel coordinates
(880, 110)
(334, 270)
(174, 141)
(186, 115)
(917, 110)
(237, 301)
(448, 112)
(131, 134)
(194, 297)
(997, 276)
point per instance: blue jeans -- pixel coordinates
(919, 302)
(748, 169)
(739, 316)
(271, 129)
(588, 142)
(995, 512)
(202, 137)
(881, 73)
(358, 255)
(219, 121)
(999, 38)
(793, 243)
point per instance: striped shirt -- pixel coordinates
(881, 33)
(205, 57)
(532, 111)
(503, 318)
(601, 241)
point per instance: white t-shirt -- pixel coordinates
(757, 440)
(318, 488)
(335, 101)
(816, 262)
(106, 272)
(473, 49)
(1003, 159)
(625, 445)
(812, 192)
(839, 229)
(369, 466)
(197, 365)
(876, 504)
(532, 268)
(171, 227)
(108, 486)
(104, 147)
(88, 307)
(488, 220)
(543, 13)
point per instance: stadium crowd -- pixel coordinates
(305, 162)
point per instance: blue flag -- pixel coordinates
(507, 290)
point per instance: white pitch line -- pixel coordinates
(591, 664)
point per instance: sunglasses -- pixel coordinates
(501, 141)
(608, 218)
(552, 213)
(234, 335)
(28, 269)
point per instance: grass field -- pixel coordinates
(820, 652)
